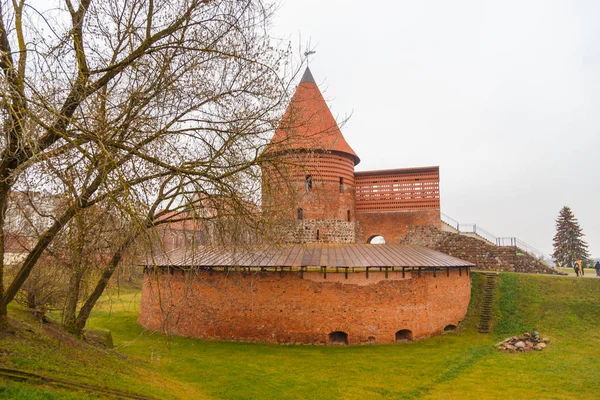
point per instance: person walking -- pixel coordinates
(580, 264)
(597, 267)
(576, 268)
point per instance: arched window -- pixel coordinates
(377, 239)
(450, 328)
(300, 214)
(308, 182)
(404, 335)
(338, 337)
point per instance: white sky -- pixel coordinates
(503, 95)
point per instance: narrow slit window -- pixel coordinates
(308, 182)
(348, 216)
(317, 234)
(300, 214)
(341, 184)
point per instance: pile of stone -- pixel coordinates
(527, 342)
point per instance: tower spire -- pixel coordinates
(308, 124)
(307, 76)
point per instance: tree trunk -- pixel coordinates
(4, 325)
(31, 303)
(32, 258)
(107, 273)
(70, 312)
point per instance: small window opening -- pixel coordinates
(341, 184)
(404, 335)
(450, 328)
(338, 337)
(348, 216)
(308, 182)
(377, 239)
(317, 234)
(300, 214)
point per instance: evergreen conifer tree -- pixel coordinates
(569, 245)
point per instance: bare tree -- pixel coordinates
(140, 103)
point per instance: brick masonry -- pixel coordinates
(288, 308)
(324, 231)
(394, 225)
(309, 194)
(485, 255)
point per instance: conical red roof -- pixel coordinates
(308, 123)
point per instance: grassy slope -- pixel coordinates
(15, 390)
(459, 365)
(45, 349)
(566, 310)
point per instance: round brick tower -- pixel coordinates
(309, 183)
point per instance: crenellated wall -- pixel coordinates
(403, 189)
(288, 308)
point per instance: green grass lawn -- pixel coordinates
(17, 390)
(589, 272)
(459, 365)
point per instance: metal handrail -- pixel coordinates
(498, 241)
(532, 250)
(484, 234)
(521, 245)
(450, 221)
(468, 228)
(506, 242)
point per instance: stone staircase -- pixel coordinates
(446, 227)
(488, 297)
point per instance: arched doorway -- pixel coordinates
(404, 335)
(449, 328)
(338, 337)
(376, 239)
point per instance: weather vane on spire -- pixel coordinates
(308, 53)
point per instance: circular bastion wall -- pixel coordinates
(307, 307)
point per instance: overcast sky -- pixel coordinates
(503, 95)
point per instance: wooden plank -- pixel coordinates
(363, 257)
(296, 255)
(331, 255)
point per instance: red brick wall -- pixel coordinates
(284, 186)
(393, 225)
(267, 307)
(328, 209)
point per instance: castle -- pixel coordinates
(332, 202)
(317, 280)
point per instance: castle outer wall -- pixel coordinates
(394, 226)
(289, 308)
